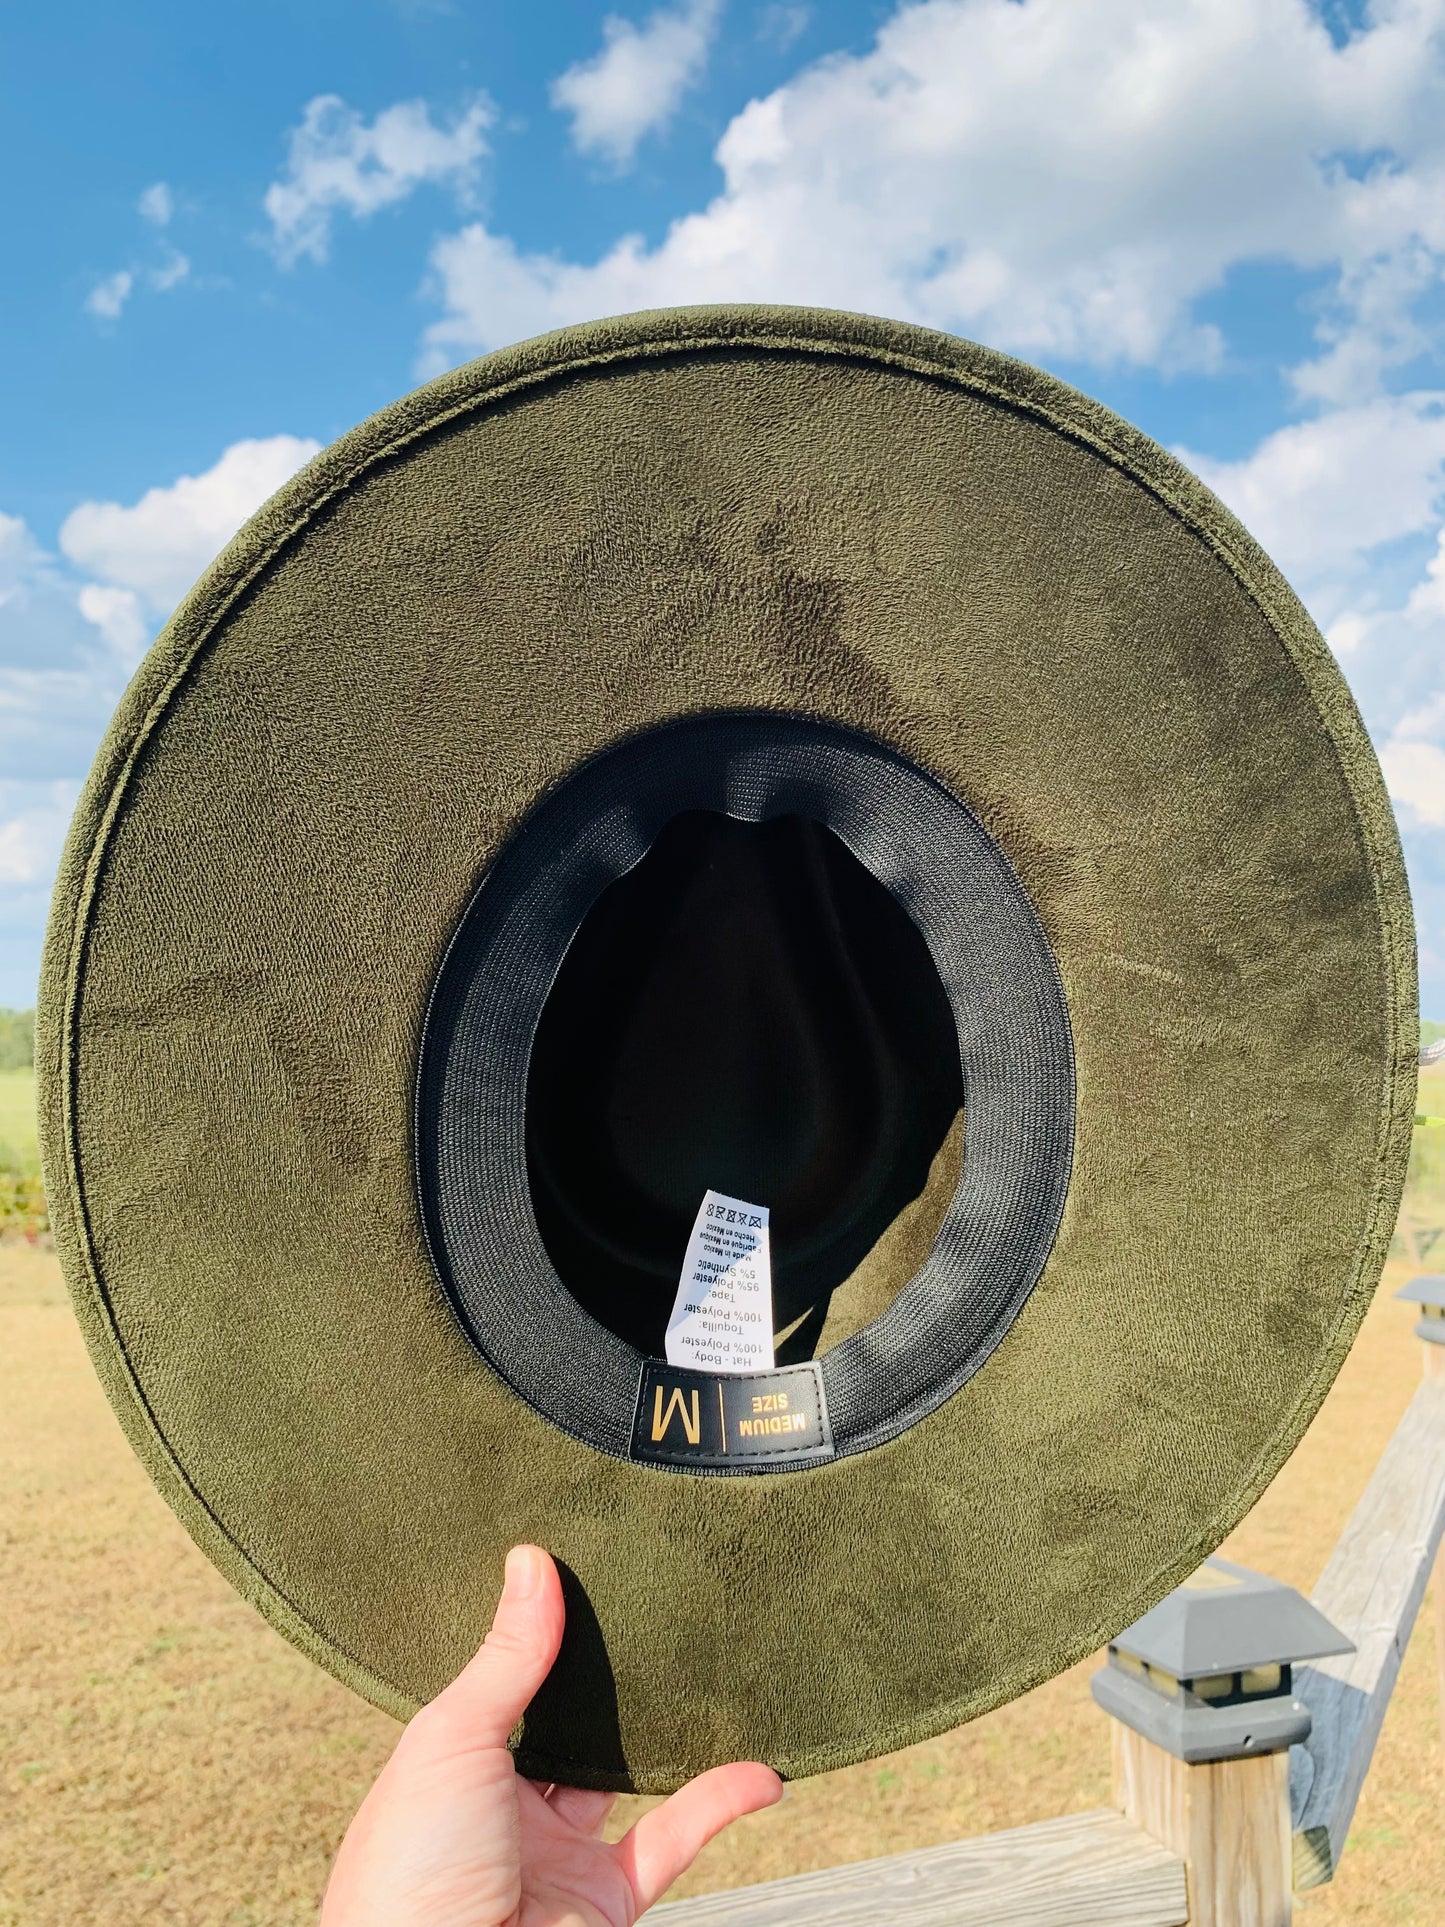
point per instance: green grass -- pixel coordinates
(1420, 1232)
(22, 1198)
(17, 1114)
(17, 1039)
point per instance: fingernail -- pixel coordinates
(523, 1572)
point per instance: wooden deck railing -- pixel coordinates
(1371, 1589)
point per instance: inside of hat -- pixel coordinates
(747, 1011)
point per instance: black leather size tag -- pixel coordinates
(731, 1422)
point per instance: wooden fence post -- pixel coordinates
(1200, 1694)
(1227, 1820)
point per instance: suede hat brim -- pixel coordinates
(550, 552)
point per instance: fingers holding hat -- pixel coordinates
(484, 1702)
(665, 1842)
(495, 1687)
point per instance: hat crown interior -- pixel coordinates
(747, 1011)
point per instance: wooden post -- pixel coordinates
(1227, 1820)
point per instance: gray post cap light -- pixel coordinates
(1207, 1674)
(1428, 1292)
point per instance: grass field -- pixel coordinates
(22, 1199)
(17, 1112)
(168, 1758)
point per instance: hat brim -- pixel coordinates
(518, 566)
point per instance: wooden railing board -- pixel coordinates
(1084, 1870)
(1371, 1589)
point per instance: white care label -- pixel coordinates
(722, 1319)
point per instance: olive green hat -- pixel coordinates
(755, 751)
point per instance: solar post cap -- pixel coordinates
(1207, 1673)
(1428, 1292)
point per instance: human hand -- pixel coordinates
(452, 1836)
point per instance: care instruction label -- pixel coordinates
(722, 1318)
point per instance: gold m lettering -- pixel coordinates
(691, 1424)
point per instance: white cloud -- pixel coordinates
(1425, 721)
(633, 87)
(1427, 599)
(1398, 671)
(20, 556)
(108, 297)
(339, 162)
(1415, 773)
(1348, 629)
(1371, 326)
(171, 273)
(157, 204)
(118, 615)
(1392, 646)
(159, 545)
(780, 25)
(30, 840)
(58, 678)
(34, 816)
(1319, 495)
(1062, 177)
(39, 616)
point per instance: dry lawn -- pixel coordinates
(167, 1757)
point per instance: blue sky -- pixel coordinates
(238, 232)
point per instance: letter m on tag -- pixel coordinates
(677, 1405)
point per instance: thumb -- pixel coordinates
(495, 1687)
